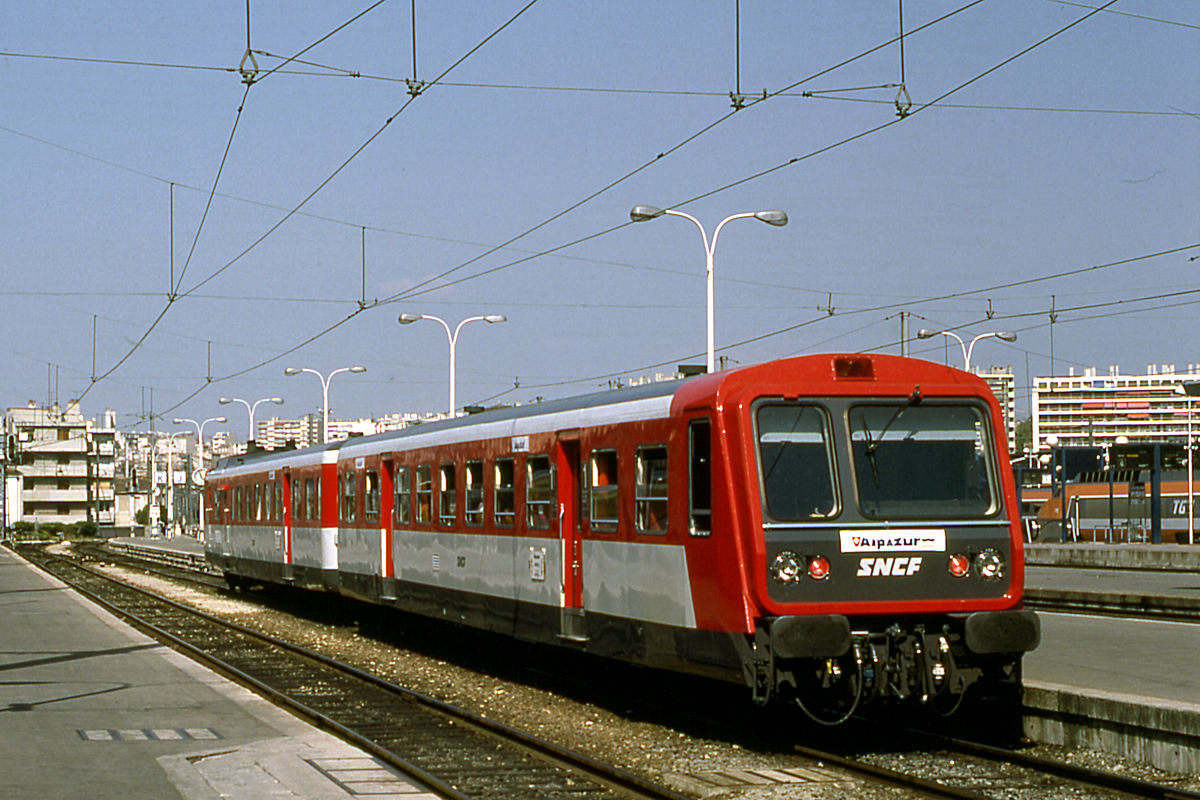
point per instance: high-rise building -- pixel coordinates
(1094, 409)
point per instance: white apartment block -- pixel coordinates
(1094, 409)
(1003, 384)
(60, 467)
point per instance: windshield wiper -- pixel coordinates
(873, 444)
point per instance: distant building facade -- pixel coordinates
(59, 466)
(1095, 409)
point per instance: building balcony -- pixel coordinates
(59, 496)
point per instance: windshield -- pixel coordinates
(794, 461)
(922, 461)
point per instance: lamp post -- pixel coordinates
(250, 408)
(407, 319)
(1191, 389)
(200, 455)
(1008, 336)
(771, 217)
(325, 379)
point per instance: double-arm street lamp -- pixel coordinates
(325, 379)
(250, 408)
(771, 217)
(200, 455)
(406, 319)
(1191, 389)
(1008, 336)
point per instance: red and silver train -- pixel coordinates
(830, 530)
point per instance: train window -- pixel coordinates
(473, 493)
(278, 487)
(297, 488)
(371, 494)
(700, 477)
(650, 490)
(927, 461)
(605, 497)
(505, 500)
(349, 495)
(237, 503)
(447, 495)
(403, 504)
(258, 493)
(795, 461)
(312, 509)
(539, 491)
(424, 493)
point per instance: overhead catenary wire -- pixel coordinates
(421, 288)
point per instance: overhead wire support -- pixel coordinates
(903, 101)
(415, 86)
(249, 73)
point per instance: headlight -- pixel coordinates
(990, 564)
(787, 567)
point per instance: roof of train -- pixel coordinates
(887, 369)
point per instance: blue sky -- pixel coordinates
(505, 187)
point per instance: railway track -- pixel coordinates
(939, 768)
(454, 751)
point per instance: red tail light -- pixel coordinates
(959, 565)
(818, 568)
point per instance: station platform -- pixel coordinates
(94, 709)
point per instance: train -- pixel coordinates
(833, 531)
(1120, 510)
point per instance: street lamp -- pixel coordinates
(1008, 336)
(250, 408)
(200, 455)
(407, 319)
(771, 217)
(325, 379)
(1191, 389)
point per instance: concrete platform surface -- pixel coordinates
(90, 708)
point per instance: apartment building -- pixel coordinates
(60, 467)
(1095, 409)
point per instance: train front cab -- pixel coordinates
(888, 564)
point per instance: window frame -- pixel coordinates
(473, 492)
(700, 468)
(644, 500)
(372, 495)
(605, 524)
(502, 491)
(402, 488)
(531, 504)
(424, 494)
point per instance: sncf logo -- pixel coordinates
(896, 567)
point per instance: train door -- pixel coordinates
(288, 522)
(387, 519)
(567, 465)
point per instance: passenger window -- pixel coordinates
(311, 508)
(473, 493)
(297, 498)
(403, 505)
(539, 492)
(278, 488)
(505, 500)
(448, 495)
(651, 489)
(349, 495)
(700, 477)
(604, 490)
(424, 493)
(258, 493)
(371, 497)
